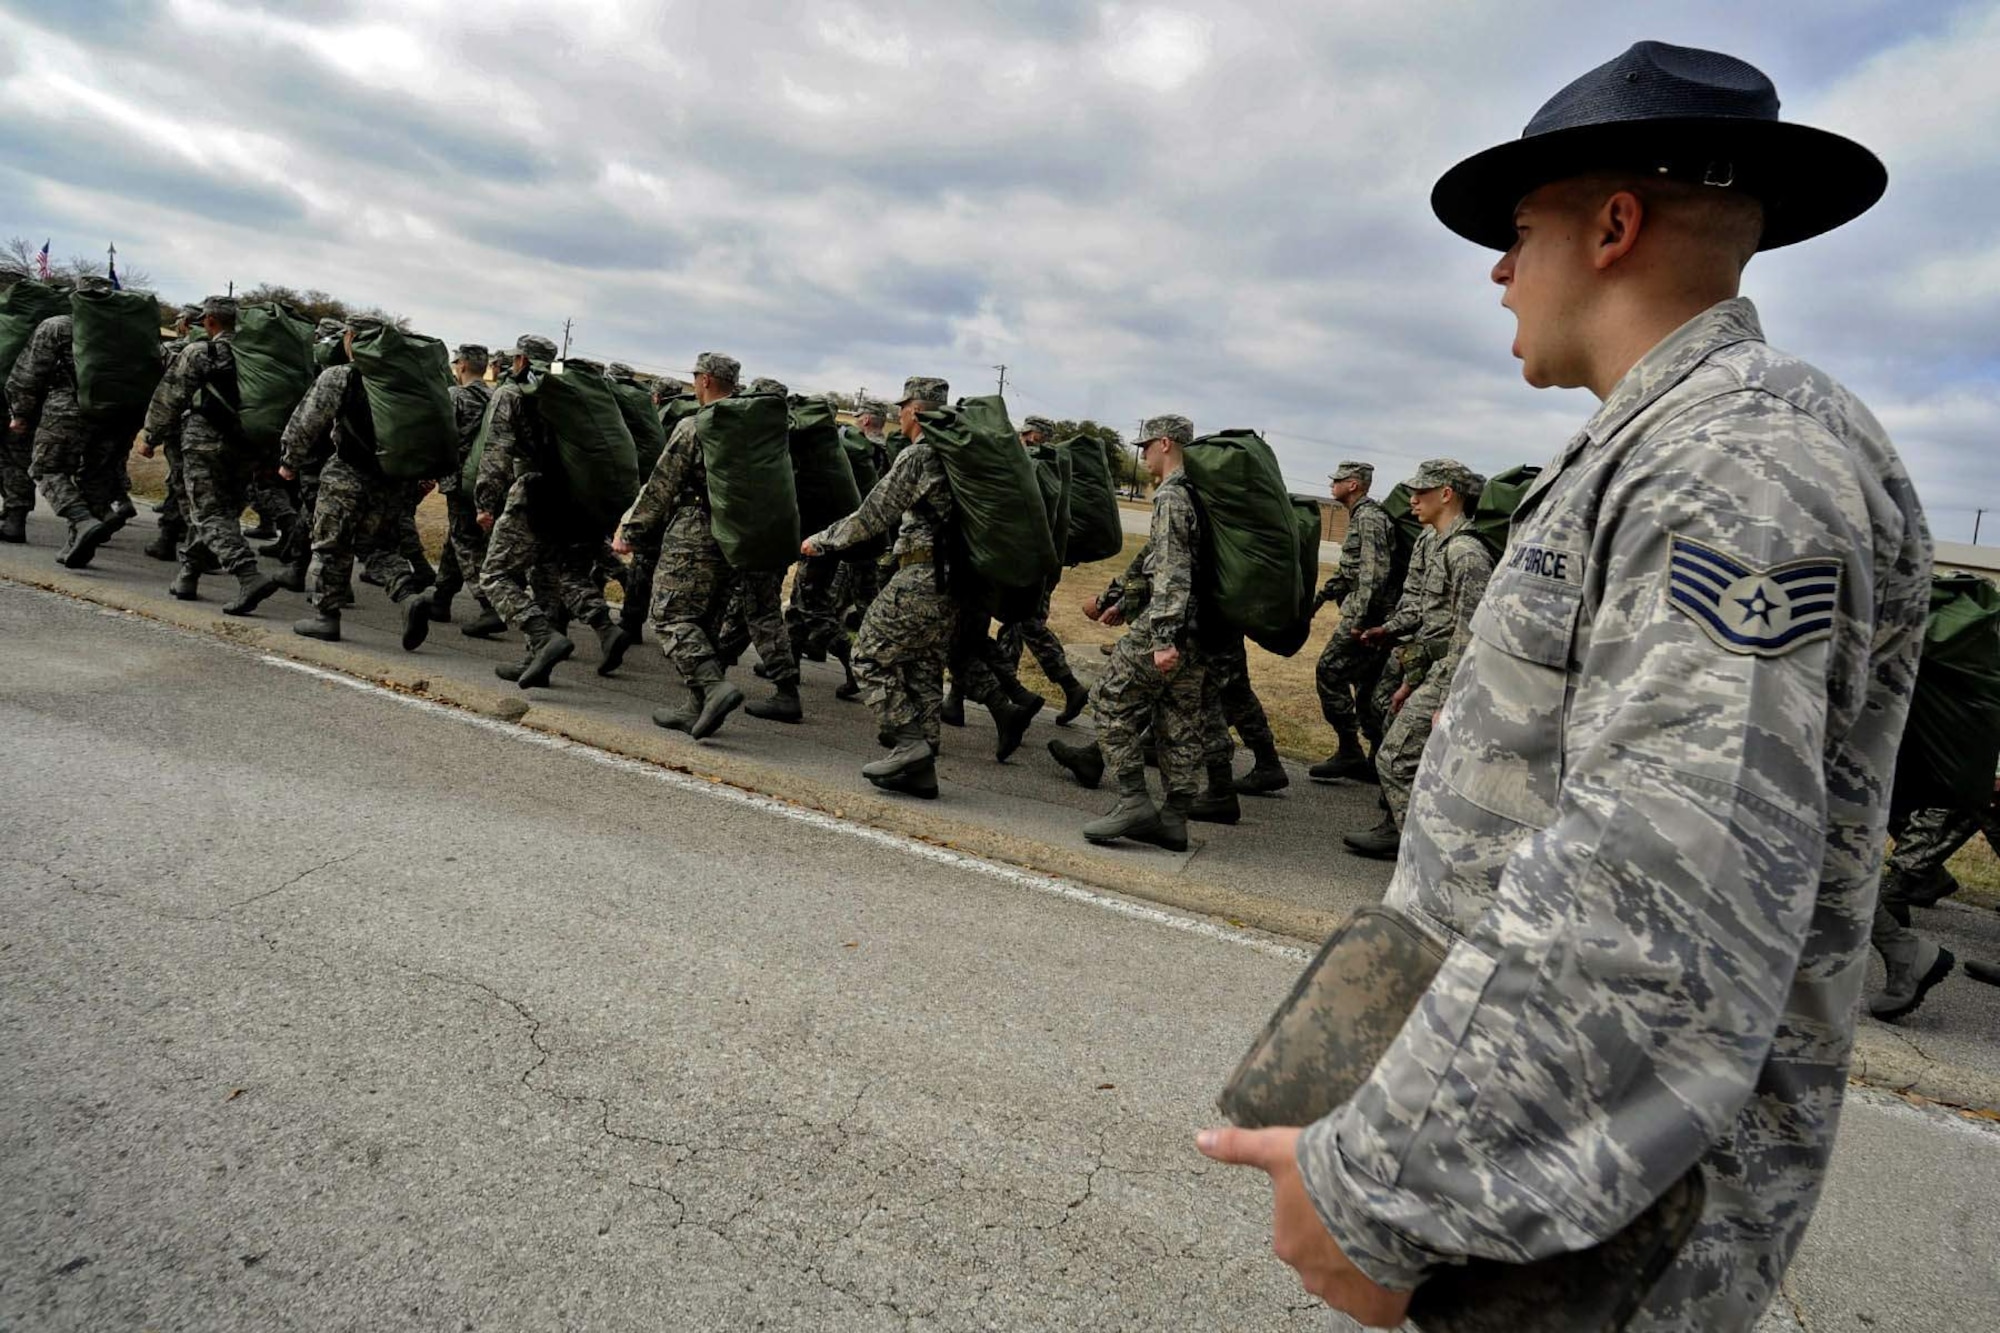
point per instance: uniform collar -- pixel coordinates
(1672, 360)
(1458, 525)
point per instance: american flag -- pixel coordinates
(42, 261)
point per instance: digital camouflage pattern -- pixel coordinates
(1228, 700)
(68, 454)
(312, 434)
(1132, 689)
(1654, 856)
(1915, 873)
(217, 468)
(1031, 633)
(355, 514)
(1363, 588)
(516, 552)
(464, 556)
(692, 582)
(1457, 573)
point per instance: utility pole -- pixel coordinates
(1003, 379)
(1977, 514)
(565, 350)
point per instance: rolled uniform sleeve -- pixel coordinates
(655, 505)
(1468, 569)
(881, 509)
(505, 460)
(1408, 617)
(1608, 1016)
(175, 393)
(1374, 553)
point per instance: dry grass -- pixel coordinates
(1978, 870)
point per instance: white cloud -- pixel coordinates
(1160, 49)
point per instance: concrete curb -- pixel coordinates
(1883, 1058)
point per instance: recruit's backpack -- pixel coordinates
(860, 459)
(1951, 742)
(1309, 523)
(753, 507)
(1002, 522)
(597, 467)
(1493, 515)
(1096, 531)
(1407, 531)
(1250, 573)
(1055, 472)
(115, 340)
(402, 410)
(23, 307)
(274, 370)
(821, 476)
(642, 419)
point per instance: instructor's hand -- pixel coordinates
(1297, 1235)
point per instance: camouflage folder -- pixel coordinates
(1320, 1047)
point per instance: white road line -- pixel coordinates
(1014, 875)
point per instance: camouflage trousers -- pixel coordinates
(855, 587)
(1915, 872)
(1402, 747)
(637, 577)
(269, 495)
(692, 586)
(900, 651)
(218, 484)
(355, 514)
(464, 548)
(978, 670)
(1227, 700)
(518, 557)
(78, 464)
(177, 509)
(1346, 679)
(812, 612)
(756, 615)
(1033, 634)
(1134, 696)
(17, 488)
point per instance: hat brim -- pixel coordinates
(1809, 180)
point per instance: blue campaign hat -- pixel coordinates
(1680, 113)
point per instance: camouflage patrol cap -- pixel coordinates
(764, 384)
(618, 370)
(218, 307)
(1042, 424)
(872, 407)
(326, 328)
(1352, 471)
(580, 365)
(1169, 427)
(724, 368)
(535, 347)
(668, 387)
(1436, 472)
(474, 355)
(92, 282)
(360, 324)
(926, 390)
(192, 314)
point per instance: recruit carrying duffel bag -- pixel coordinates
(23, 307)
(642, 420)
(1095, 529)
(1054, 472)
(115, 339)
(409, 423)
(1250, 573)
(860, 459)
(1310, 524)
(821, 476)
(274, 369)
(1952, 739)
(753, 506)
(1001, 519)
(597, 464)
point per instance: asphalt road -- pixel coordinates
(326, 1008)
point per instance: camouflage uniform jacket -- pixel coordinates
(468, 411)
(204, 371)
(1650, 824)
(1360, 584)
(676, 495)
(1168, 617)
(913, 497)
(313, 432)
(1129, 591)
(515, 448)
(44, 376)
(1407, 620)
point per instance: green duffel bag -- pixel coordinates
(1001, 520)
(642, 419)
(597, 463)
(327, 353)
(1493, 514)
(821, 476)
(23, 307)
(116, 343)
(1311, 524)
(1250, 573)
(1054, 473)
(1951, 742)
(860, 459)
(1095, 530)
(274, 369)
(410, 423)
(753, 505)
(468, 472)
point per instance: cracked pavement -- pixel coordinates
(319, 1011)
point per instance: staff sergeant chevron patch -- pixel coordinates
(1758, 612)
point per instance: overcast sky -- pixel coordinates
(1211, 209)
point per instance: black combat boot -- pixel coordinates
(612, 645)
(682, 718)
(1267, 775)
(263, 531)
(1349, 762)
(1075, 699)
(416, 620)
(547, 646)
(783, 705)
(122, 511)
(166, 543)
(1217, 805)
(1085, 762)
(632, 619)
(1010, 725)
(252, 587)
(1382, 842)
(14, 526)
(910, 768)
(423, 574)
(487, 625)
(722, 700)
(440, 601)
(953, 712)
(1135, 817)
(842, 651)
(324, 625)
(291, 575)
(186, 580)
(1914, 965)
(85, 536)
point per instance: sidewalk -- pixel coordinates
(1281, 870)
